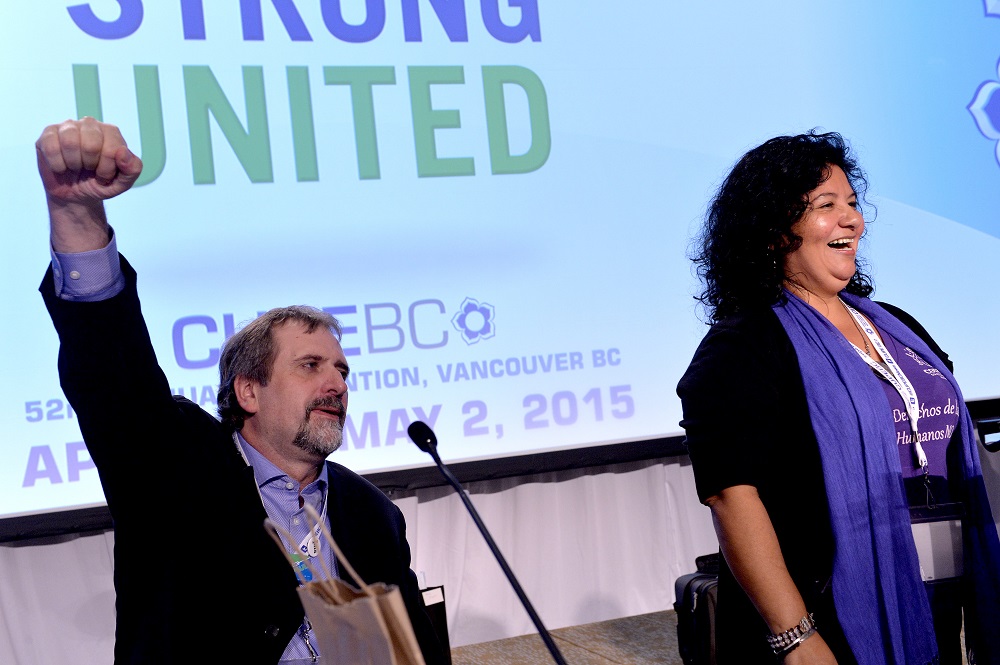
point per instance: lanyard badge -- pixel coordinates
(310, 545)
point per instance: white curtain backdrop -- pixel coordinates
(586, 545)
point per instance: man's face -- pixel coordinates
(303, 406)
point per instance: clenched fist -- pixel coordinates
(82, 163)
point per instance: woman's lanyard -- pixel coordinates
(894, 375)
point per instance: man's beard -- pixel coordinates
(320, 439)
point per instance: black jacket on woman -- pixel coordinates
(747, 423)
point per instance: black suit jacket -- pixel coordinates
(197, 577)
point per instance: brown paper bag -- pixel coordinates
(367, 626)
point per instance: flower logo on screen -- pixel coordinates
(985, 109)
(474, 320)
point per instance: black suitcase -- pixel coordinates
(696, 594)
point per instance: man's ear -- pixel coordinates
(246, 394)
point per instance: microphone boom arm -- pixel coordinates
(546, 637)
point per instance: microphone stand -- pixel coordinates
(549, 642)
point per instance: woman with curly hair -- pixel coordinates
(828, 435)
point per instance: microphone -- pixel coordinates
(424, 437)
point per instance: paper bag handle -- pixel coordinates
(315, 517)
(274, 530)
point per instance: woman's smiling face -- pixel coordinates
(830, 229)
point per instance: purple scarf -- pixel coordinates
(879, 596)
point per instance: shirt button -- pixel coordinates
(289, 486)
(74, 274)
(295, 521)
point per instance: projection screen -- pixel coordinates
(496, 198)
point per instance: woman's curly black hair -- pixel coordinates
(748, 227)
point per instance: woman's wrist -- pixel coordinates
(783, 642)
(795, 644)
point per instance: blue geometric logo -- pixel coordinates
(985, 105)
(992, 7)
(474, 320)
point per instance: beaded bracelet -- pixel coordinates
(781, 642)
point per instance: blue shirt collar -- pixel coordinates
(266, 473)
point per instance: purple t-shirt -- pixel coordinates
(938, 416)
